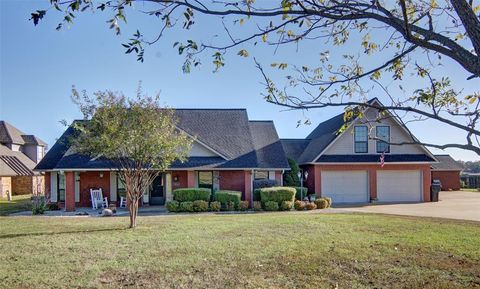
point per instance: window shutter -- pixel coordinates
(53, 187)
(113, 186)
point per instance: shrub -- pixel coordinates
(256, 195)
(299, 192)
(172, 206)
(290, 178)
(264, 183)
(277, 194)
(53, 207)
(39, 205)
(243, 206)
(321, 203)
(230, 206)
(271, 206)
(299, 205)
(186, 207)
(215, 206)
(200, 206)
(191, 194)
(257, 206)
(311, 206)
(228, 196)
(286, 206)
(329, 201)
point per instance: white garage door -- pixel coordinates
(399, 186)
(345, 186)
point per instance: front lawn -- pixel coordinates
(17, 204)
(274, 250)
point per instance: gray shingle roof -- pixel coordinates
(294, 147)
(446, 163)
(10, 134)
(13, 163)
(374, 158)
(240, 143)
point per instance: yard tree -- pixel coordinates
(137, 136)
(362, 46)
(291, 177)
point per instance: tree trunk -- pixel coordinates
(133, 210)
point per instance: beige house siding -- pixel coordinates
(5, 185)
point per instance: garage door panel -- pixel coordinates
(399, 186)
(345, 186)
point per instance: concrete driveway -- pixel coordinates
(452, 205)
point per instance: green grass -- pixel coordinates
(469, 190)
(17, 204)
(275, 250)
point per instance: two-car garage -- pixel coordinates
(355, 186)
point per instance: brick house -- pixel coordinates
(447, 170)
(19, 154)
(229, 152)
(348, 167)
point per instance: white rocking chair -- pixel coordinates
(97, 199)
(123, 202)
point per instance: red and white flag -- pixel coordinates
(382, 159)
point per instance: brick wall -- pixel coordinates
(232, 180)
(450, 179)
(5, 185)
(47, 180)
(89, 180)
(22, 185)
(181, 177)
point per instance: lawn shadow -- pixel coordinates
(11, 236)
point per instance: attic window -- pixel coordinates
(383, 139)
(361, 139)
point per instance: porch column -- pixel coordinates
(69, 191)
(248, 187)
(191, 179)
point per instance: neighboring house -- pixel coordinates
(19, 154)
(470, 180)
(447, 170)
(228, 153)
(347, 166)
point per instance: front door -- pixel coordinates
(157, 196)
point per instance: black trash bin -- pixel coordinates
(435, 189)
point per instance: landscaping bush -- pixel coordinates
(311, 206)
(228, 196)
(53, 207)
(172, 206)
(277, 194)
(39, 206)
(243, 206)
(200, 206)
(264, 183)
(230, 206)
(329, 201)
(191, 194)
(215, 206)
(298, 193)
(299, 205)
(257, 206)
(286, 206)
(271, 206)
(256, 195)
(186, 207)
(321, 203)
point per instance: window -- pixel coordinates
(61, 187)
(121, 191)
(361, 139)
(383, 134)
(205, 180)
(260, 175)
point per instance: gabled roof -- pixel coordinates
(240, 143)
(326, 133)
(13, 163)
(446, 163)
(10, 134)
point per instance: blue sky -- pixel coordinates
(39, 65)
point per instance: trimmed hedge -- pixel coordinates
(329, 200)
(186, 207)
(243, 206)
(257, 206)
(298, 193)
(277, 194)
(321, 203)
(228, 196)
(299, 205)
(191, 194)
(200, 206)
(215, 206)
(286, 206)
(271, 206)
(172, 206)
(311, 206)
